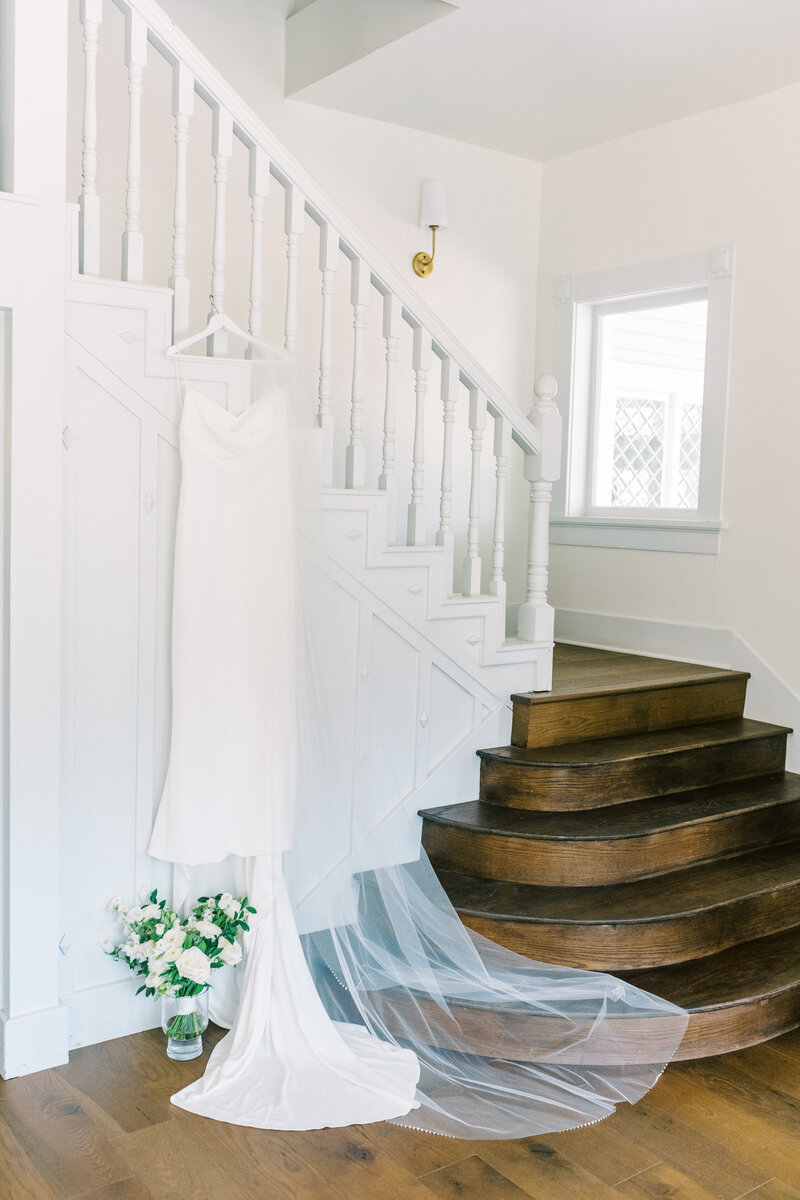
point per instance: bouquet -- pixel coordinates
(177, 955)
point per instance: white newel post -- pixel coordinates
(355, 455)
(472, 563)
(259, 190)
(294, 223)
(221, 149)
(387, 482)
(541, 470)
(416, 509)
(89, 201)
(451, 380)
(135, 60)
(328, 265)
(502, 454)
(182, 109)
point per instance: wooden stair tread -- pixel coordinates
(742, 974)
(635, 746)
(638, 818)
(660, 898)
(580, 671)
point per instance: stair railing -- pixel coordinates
(538, 434)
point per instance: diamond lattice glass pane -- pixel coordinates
(689, 455)
(638, 453)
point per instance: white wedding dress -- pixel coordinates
(388, 1007)
(230, 784)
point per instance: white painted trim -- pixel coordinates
(673, 536)
(769, 697)
(576, 298)
(32, 1041)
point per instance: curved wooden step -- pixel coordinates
(615, 844)
(657, 921)
(629, 695)
(734, 999)
(614, 770)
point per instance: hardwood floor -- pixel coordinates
(103, 1128)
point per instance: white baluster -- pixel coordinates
(328, 265)
(416, 509)
(536, 615)
(502, 454)
(472, 562)
(182, 109)
(89, 201)
(451, 380)
(259, 190)
(135, 60)
(355, 455)
(221, 149)
(387, 481)
(293, 227)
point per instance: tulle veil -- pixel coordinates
(506, 1047)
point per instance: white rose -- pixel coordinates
(153, 979)
(207, 928)
(228, 905)
(230, 952)
(194, 965)
(168, 950)
(150, 911)
(160, 929)
(107, 945)
(133, 915)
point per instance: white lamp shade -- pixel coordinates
(434, 204)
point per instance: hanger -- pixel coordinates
(218, 322)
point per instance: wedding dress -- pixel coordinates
(387, 1006)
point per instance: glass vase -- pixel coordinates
(184, 1020)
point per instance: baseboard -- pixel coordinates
(769, 697)
(33, 1041)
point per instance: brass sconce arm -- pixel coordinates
(423, 263)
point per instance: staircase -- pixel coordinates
(638, 824)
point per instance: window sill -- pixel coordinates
(629, 533)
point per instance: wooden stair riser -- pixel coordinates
(539, 722)
(572, 786)
(590, 863)
(637, 945)
(531, 1039)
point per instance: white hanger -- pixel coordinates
(223, 321)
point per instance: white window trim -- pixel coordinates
(576, 298)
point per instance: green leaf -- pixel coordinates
(250, 909)
(153, 895)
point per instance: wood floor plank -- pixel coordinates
(95, 1073)
(125, 1189)
(355, 1165)
(602, 1151)
(762, 1143)
(774, 1190)
(678, 1142)
(662, 1181)
(421, 1152)
(19, 1178)
(71, 1151)
(474, 1179)
(535, 1165)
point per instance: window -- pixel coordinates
(642, 355)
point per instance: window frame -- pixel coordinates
(579, 299)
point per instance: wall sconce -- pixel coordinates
(433, 216)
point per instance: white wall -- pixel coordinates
(33, 1025)
(726, 176)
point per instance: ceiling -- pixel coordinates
(540, 78)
